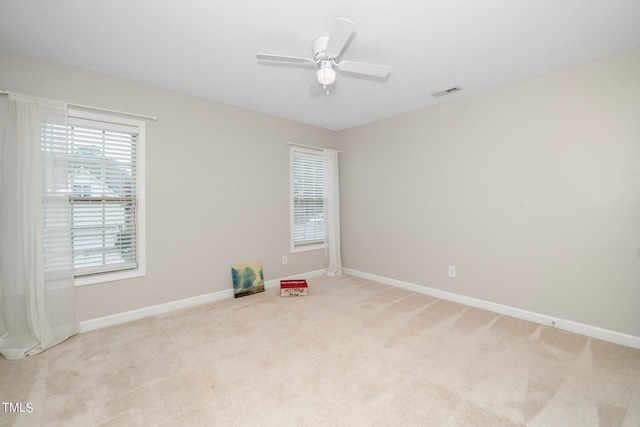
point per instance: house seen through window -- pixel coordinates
(105, 193)
(307, 200)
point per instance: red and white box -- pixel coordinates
(293, 288)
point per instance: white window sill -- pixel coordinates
(305, 248)
(108, 277)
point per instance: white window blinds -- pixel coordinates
(103, 175)
(307, 196)
(56, 233)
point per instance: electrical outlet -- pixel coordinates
(284, 259)
(452, 271)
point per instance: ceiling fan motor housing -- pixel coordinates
(319, 46)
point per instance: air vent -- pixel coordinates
(447, 91)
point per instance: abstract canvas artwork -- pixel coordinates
(247, 278)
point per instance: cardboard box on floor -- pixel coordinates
(293, 288)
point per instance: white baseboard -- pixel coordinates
(128, 316)
(141, 313)
(543, 319)
(567, 325)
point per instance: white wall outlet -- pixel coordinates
(284, 259)
(452, 271)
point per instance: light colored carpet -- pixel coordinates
(352, 353)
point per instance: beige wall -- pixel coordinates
(217, 185)
(532, 191)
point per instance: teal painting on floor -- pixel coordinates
(247, 279)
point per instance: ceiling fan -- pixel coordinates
(326, 49)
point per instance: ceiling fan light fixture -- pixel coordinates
(326, 74)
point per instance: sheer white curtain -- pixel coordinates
(37, 293)
(332, 212)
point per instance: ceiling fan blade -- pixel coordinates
(283, 58)
(364, 68)
(340, 33)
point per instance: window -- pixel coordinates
(106, 172)
(307, 213)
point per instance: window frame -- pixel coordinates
(301, 247)
(140, 270)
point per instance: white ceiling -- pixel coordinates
(208, 48)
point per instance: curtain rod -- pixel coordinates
(155, 119)
(309, 146)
